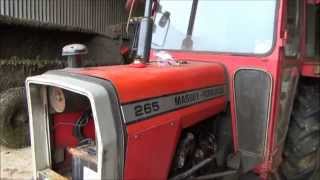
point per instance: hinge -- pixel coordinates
(284, 39)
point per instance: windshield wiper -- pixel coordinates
(187, 42)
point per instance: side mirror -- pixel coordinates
(164, 19)
(161, 28)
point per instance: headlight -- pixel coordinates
(57, 99)
(65, 101)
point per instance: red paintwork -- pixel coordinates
(63, 128)
(63, 138)
(125, 50)
(150, 150)
(134, 84)
(138, 64)
(311, 69)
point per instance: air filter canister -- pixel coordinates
(84, 162)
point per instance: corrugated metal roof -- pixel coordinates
(91, 15)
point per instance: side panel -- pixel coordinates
(252, 97)
(150, 151)
(289, 82)
(152, 142)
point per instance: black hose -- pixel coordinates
(193, 169)
(80, 124)
(215, 175)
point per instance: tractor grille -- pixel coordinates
(106, 114)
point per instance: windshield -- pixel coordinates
(229, 26)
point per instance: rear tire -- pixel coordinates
(302, 149)
(14, 128)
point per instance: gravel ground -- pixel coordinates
(15, 163)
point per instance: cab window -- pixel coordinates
(312, 47)
(293, 28)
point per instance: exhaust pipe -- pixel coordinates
(145, 34)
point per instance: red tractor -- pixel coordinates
(218, 90)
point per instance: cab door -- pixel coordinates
(289, 72)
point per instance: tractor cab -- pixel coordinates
(217, 90)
